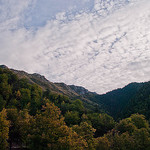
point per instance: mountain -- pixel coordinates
(119, 103)
(115, 101)
(140, 103)
(30, 116)
(71, 91)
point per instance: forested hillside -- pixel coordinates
(57, 88)
(33, 117)
(115, 101)
(121, 103)
(140, 102)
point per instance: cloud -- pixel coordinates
(47, 9)
(101, 49)
(12, 13)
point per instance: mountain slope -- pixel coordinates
(119, 103)
(140, 103)
(59, 88)
(116, 100)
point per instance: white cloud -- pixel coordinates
(12, 13)
(99, 53)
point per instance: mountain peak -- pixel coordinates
(39, 76)
(3, 66)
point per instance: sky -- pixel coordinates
(98, 44)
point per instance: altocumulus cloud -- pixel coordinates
(104, 46)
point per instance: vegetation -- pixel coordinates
(4, 130)
(116, 101)
(33, 118)
(140, 103)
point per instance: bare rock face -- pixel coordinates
(80, 90)
(40, 76)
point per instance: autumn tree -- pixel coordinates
(87, 132)
(4, 130)
(49, 131)
(120, 141)
(102, 143)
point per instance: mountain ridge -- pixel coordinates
(133, 98)
(59, 88)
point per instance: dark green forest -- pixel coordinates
(35, 118)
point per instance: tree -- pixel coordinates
(25, 97)
(72, 118)
(126, 125)
(45, 128)
(77, 105)
(5, 88)
(36, 99)
(86, 131)
(102, 143)
(120, 141)
(139, 121)
(101, 122)
(142, 139)
(49, 131)
(4, 130)
(19, 126)
(2, 103)
(72, 141)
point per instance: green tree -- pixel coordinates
(25, 97)
(77, 105)
(101, 122)
(2, 103)
(139, 121)
(5, 88)
(20, 123)
(120, 141)
(142, 139)
(72, 118)
(126, 125)
(36, 99)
